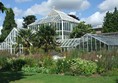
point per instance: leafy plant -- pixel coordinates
(17, 64)
(62, 65)
(36, 69)
(82, 67)
(3, 62)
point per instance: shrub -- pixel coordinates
(41, 65)
(13, 64)
(107, 61)
(31, 61)
(76, 67)
(36, 69)
(62, 65)
(4, 56)
(30, 69)
(3, 62)
(48, 64)
(17, 64)
(46, 61)
(82, 67)
(110, 73)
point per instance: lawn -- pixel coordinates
(19, 77)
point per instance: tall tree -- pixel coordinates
(8, 24)
(2, 7)
(28, 20)
(110, 23)
(80, 30)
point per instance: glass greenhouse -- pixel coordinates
(64, 25)
(10, 42)
(92, 42)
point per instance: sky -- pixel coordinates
(90, 11)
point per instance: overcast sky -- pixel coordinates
(90, 11)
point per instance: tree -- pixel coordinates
(46, 37)
(8, 24)
(110, 23)
(2, 7)
(28, 20)
(73, 16)
(25, 38)
(80, 30)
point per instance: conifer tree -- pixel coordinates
(8, 24)
(110, 23)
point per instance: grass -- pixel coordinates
(20, 77)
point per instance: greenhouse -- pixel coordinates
(92, 42)
(64, 23)
(10, 43)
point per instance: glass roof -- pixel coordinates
(55, 16)
(109, 39)
(69, 42)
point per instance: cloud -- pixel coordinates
(73, 13)
(17, 11)
(69, 4)
(38, 9)
(108, 5)
(21, 1)
(44, 7)
(19, 22)
(95, 19)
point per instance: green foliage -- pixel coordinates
(17, 64)
(113, 72)
(103, 63)
(74, 53)
(3, 62)
(63, 65)
(35, 69)
(28, 20)
(2, 7)
(11, 63)
(31, 69)
(80, 30)
(4, 56)
(45, 38)
(8, 25)
(48, 64)
(83, 67)
(110, 22)
(76, 67)
(43, 65)
(46, 61)
(25, 38)
(107, 61)
(31, 62)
